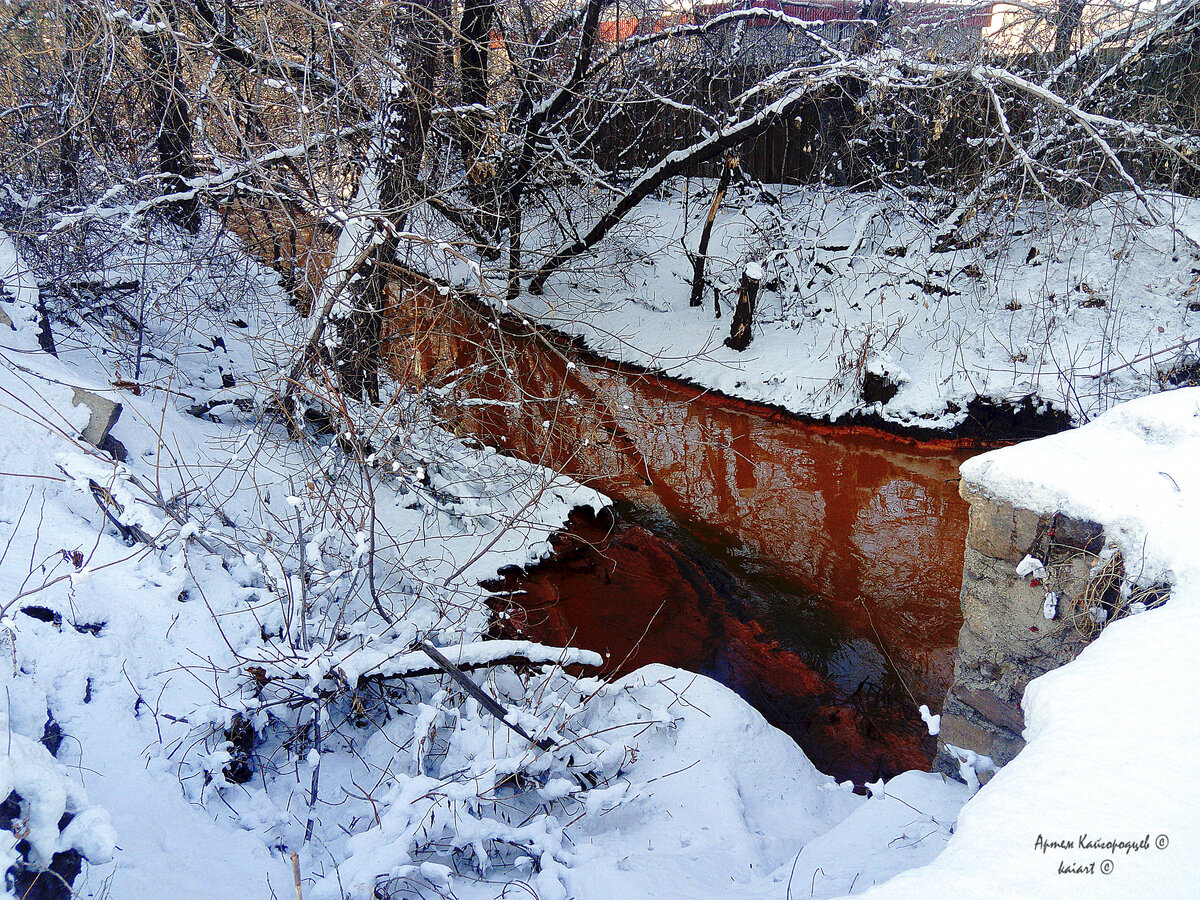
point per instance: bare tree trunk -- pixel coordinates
(743, 317)
(388, 189)
(174, 139)
(474, 44)
(474, 41)
(1066, 19)
(70, 143)
(701, 256)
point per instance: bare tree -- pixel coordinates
(173, 139)
(387, 190)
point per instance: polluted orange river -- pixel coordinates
(815, 570)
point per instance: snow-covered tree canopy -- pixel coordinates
(532, 129)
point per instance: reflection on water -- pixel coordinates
(814, 570)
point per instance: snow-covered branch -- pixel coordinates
(812, 81)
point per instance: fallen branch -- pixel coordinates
(1144, 357)
(411, 663)
(108, 504)
(479, 655)
(485, 700)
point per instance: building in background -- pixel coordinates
(941, 29)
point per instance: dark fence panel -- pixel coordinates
(929, 138)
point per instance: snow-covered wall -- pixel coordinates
(1100, 802)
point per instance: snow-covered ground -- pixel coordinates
(1076, 309)
(143, 662)
(252, 606)
(254, 603)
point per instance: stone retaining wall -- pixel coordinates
(1006, 640)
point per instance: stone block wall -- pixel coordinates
(1006, 640)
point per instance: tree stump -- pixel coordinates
(743, 316)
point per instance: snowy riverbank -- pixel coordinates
(252, 609)
(1077, 310)
(140, 652)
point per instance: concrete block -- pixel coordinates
(1005, 640)
(998, 710)
(999, 744)
(103, 416)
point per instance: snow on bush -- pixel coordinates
(49, 810)
(464, 796)
(247, 610)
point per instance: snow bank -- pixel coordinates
(1134, 470)
(1111, 735)
(720, 804)
(47, 795)
(19, 284)
(719, 798)
(1081, 312)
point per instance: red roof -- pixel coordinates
(617, 29)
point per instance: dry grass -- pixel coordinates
(1108, 593)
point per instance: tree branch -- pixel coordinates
(678, 162)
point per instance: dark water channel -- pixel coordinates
(814, 570)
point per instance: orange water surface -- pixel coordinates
(813, 569)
